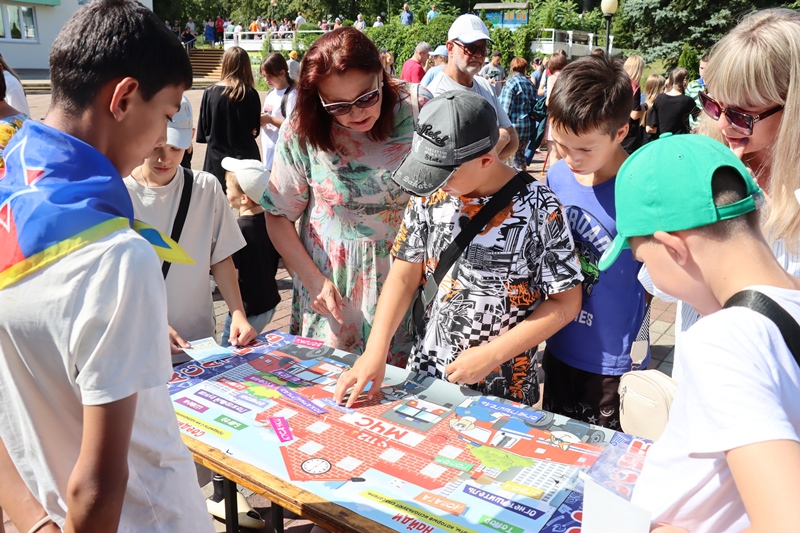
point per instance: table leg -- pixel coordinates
(231, 506)
(277, 518)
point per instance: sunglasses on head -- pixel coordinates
(740, 121)
(364, 101)
(472, 49)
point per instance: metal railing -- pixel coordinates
(573, 42)
(253, 41)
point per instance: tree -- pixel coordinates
(659, 28)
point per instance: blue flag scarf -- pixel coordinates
(57, 195)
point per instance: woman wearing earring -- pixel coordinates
(722, 477)
(333, 160)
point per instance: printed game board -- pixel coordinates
(422, 455)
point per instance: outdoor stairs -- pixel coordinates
(206, 67)
(36, 86)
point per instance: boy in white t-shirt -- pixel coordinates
(210, 236)
(86, 420)
(729, 457)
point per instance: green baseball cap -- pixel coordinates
(666, 186)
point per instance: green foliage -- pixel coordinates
(401, 40)
(658, 29)
(565, 15)
(690, 61)
(347, 22)
(305, 40)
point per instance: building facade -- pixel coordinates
(29, 27)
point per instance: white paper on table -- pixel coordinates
(203, 349)
(606, 512)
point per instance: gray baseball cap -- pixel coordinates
(452, 129)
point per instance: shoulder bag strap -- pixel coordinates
(284, 97)
(180, 217)
(497, 203)
(414, 95)
(761, 303)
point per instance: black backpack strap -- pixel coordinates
(284, 98)
(499, 201)
(180, 217)
(761, 303)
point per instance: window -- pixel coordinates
(17, 23)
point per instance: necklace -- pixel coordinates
(144, 181)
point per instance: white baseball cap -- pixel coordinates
(468, 29)
(179, 129)
(252, 175)
(441, 50)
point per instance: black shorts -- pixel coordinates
(568, 391)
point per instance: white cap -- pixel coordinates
(441, 50)
(468, 29)
(179, 129)
(252, 175)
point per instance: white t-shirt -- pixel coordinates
(377, 24)
(294, 73)
(740, 386)
(443, 83)
(299, 20)
(210, 234)
(90, 329)
(269, 133)
(15, 94)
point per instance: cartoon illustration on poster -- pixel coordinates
(423, 454)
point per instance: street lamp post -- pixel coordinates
(608, 7)
(272, 5)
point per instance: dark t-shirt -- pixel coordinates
(633, 140)
(671, 113)
(257, 263)
(228, 127)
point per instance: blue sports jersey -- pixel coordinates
(599, 339)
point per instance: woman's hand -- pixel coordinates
(326, 299)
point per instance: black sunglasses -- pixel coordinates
(740, 121)
(364, 101)
(472, 49)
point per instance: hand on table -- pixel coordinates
(370, 368)
(242, 333)
(176, 342)
(326, 299)
(471, 366)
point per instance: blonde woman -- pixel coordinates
(720, 478)
(634, 66)
(652, 88)
(230, 114)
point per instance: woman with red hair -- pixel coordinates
(351, 127)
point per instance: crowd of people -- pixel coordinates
(362, 186)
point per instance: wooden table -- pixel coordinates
(281, 493)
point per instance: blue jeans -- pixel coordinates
(259, 322)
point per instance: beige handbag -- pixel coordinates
(645, 396)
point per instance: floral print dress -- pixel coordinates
(350, 211)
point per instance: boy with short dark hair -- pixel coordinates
(588, 111)
(729, 457)
(257, 262)
(86, 418)
(210, 237)
(514, 285)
